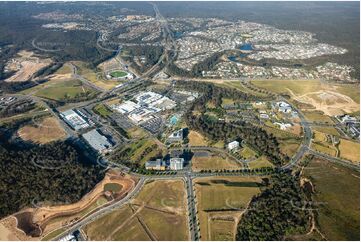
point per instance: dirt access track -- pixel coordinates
(43, 213)
(43, 216)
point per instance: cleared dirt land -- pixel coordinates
(47, 220)
(157, 213)
(26, 65)
(332, 99)
(337, 197)
(221, 202)
(8, 230)
(196, 139)
(44, 131)
(64, 72)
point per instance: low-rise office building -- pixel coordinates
(176, 164)
(157, 164)
(233, 145)
(176, 136)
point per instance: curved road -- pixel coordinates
(170, 45)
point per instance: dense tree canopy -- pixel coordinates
(47, 173)
(216, 129)
(280, 210)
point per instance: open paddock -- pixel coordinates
(158, 209)
(196, 139)
(47, 130)
(214, 162)
(337, 191)
(260, 162)
(349, 150)
(221, 201)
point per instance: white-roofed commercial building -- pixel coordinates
(176, 164)
(233, 145)
(75, 120)
(97, 141)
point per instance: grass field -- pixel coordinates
(214, 163)
(222, 229)
(290, 146)
(118, 74)
(337, 193)
(155, 213)
(196, 139)
(216, 194)
(62, 90)
(317, 116)
(43, 131)
(260, 162)
(226, 193)
(299, 87)
(163, 194)
(133, 232)
(319, 136)
(53, 234)
(349, 150)
(327, 130)
(218, 144)
(166, 209)
(241, 87)
(324, 149)
(247, 153)
(321, 144)
(351, 90)
(227, 101)
(100, 228)
(136, 133)
(63, 70)
(102, 110)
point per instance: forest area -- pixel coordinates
(217, 130)
(52, 173)
(282, 209)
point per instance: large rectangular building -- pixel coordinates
(75, 120)
(126, 107)
(145, 106)
(97, 141)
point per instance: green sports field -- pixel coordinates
(118, 74)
